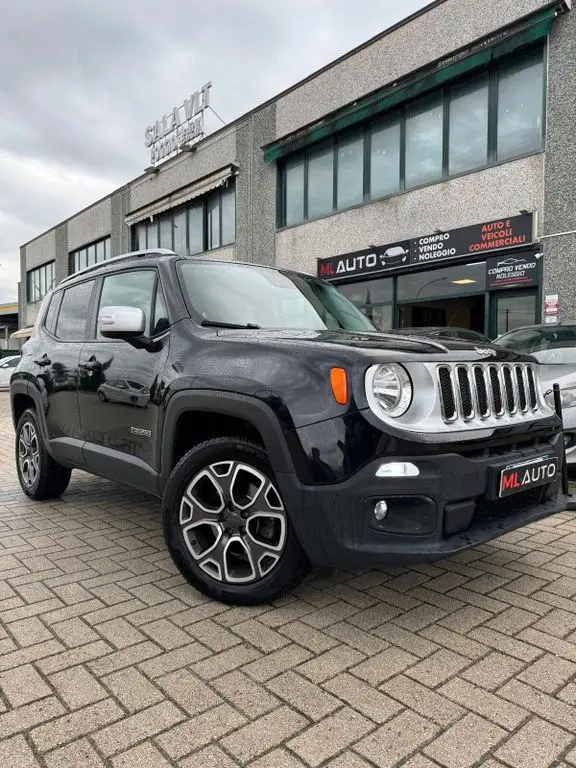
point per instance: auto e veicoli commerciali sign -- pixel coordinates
(475, 241)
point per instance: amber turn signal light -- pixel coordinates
(339, 384)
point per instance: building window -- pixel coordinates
(202, 225)
(294, 191)
(213, 220)
(195, 229)
(350, 174)
(179, 229)
(320, 182)
(385, 159)
(468, 139)
(90, 254)
(228, 215)
(491, 117)
(40, 281)
(520, 108)
(424, 141)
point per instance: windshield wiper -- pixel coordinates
(218, 324)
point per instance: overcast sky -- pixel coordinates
(81, 79)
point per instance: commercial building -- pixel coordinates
(429, 172)
(8, 324)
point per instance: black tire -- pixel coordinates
(102, 397)
(291, 564)
(51, 479)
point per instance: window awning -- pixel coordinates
(465, 61)
(183, 195)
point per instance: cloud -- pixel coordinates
(85, 78)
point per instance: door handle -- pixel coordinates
(44, 360)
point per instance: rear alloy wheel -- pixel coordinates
(40, 476)
(29, 454)
(226, 525)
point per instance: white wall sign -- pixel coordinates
(551, 308)
(181, 126)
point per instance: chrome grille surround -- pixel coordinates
(459, 397)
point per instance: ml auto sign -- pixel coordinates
(477, 241)
(180, 126)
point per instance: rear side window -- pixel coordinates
(73, 315)
(52, 313)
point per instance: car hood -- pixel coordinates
(372, 344)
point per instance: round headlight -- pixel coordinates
(392, 389)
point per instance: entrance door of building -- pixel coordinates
(511, 310)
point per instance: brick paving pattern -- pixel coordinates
(108, 658)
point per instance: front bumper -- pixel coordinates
(451, 506)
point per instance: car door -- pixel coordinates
(121, 382)
(53, 368)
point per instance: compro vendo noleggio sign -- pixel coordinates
(475, 241)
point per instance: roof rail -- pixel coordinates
(114, 259)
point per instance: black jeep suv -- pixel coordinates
(277, 425)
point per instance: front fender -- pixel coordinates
(250, 409)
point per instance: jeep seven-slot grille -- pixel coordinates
(479, 391)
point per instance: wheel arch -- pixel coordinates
(257, 419)
(22, 397)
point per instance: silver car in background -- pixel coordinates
(7, 366)
(554, 347)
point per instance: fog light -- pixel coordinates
(398, 469)
(380, 511)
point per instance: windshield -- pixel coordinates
(243, 295)
(548, 345)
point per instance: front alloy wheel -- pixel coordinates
(226, 525)
(233, 522)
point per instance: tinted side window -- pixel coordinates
(130, 289)
(71, 325)
(52, 313)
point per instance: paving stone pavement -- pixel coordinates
(108, 658)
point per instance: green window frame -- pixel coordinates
(299, 165)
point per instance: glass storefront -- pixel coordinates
(452, 297)
(375, 298)
(457, 296)
(428, 281)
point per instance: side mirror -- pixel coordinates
(121, 322)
